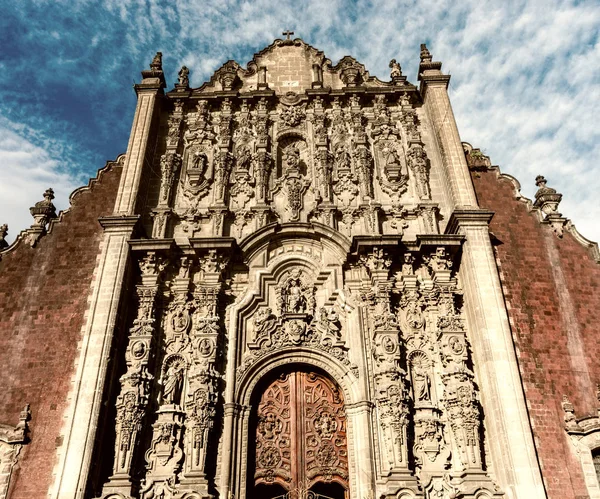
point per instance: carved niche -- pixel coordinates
(293, 178)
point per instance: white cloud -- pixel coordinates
(525, 75)
(27, 171)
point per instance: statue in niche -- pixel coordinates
(243, 158)
(199, 163)
(173, 383)
(291, 158)
(296, 302)
(294, 296)
(421, 380)
(392, 165)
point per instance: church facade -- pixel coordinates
(298, 282)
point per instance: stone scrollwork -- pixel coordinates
(296, 324)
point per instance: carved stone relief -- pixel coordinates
(12, 439)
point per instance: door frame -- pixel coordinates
(358, 416)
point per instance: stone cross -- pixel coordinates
(288, 33)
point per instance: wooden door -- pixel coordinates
(300, 437)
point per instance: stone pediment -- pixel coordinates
(290, 66)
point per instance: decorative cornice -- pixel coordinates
(116, 163)
(483, 163)
(472, 218)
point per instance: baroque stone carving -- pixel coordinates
(12, 439)
(292, 182)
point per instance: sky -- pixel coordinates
(525, 84)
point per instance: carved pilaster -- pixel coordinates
(135, 383)
(391, 393)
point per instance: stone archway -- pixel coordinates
(298, 437)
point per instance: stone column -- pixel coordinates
(146, 113)
(434, 87)
(362, 465)
(511, 440)
(81, 418)
(507, 423)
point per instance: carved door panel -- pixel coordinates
(301, 434)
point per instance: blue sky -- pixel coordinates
(525, 79)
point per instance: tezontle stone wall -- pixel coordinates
(551, 285)
(43, 298)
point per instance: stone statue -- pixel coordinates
(292, 158)
(396, 70)
(421, 384)
(3, 232)
(184, 79)
(296, 302)
(173, 383)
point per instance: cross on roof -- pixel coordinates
(288, 33)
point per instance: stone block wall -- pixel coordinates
(43, 299)
(551, 285)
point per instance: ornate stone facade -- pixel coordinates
(296, 294)
(300, 226)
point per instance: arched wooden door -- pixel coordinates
(300, 439)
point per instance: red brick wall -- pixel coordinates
(43, 298)
(552, 289)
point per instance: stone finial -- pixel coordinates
(156, 64)
(425, 54)
(154, 75)
(184, 77)
(427, 66)
(3, 232)
(43, 210)
(546, 197)
(547, 200)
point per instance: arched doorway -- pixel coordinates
(298, 438)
